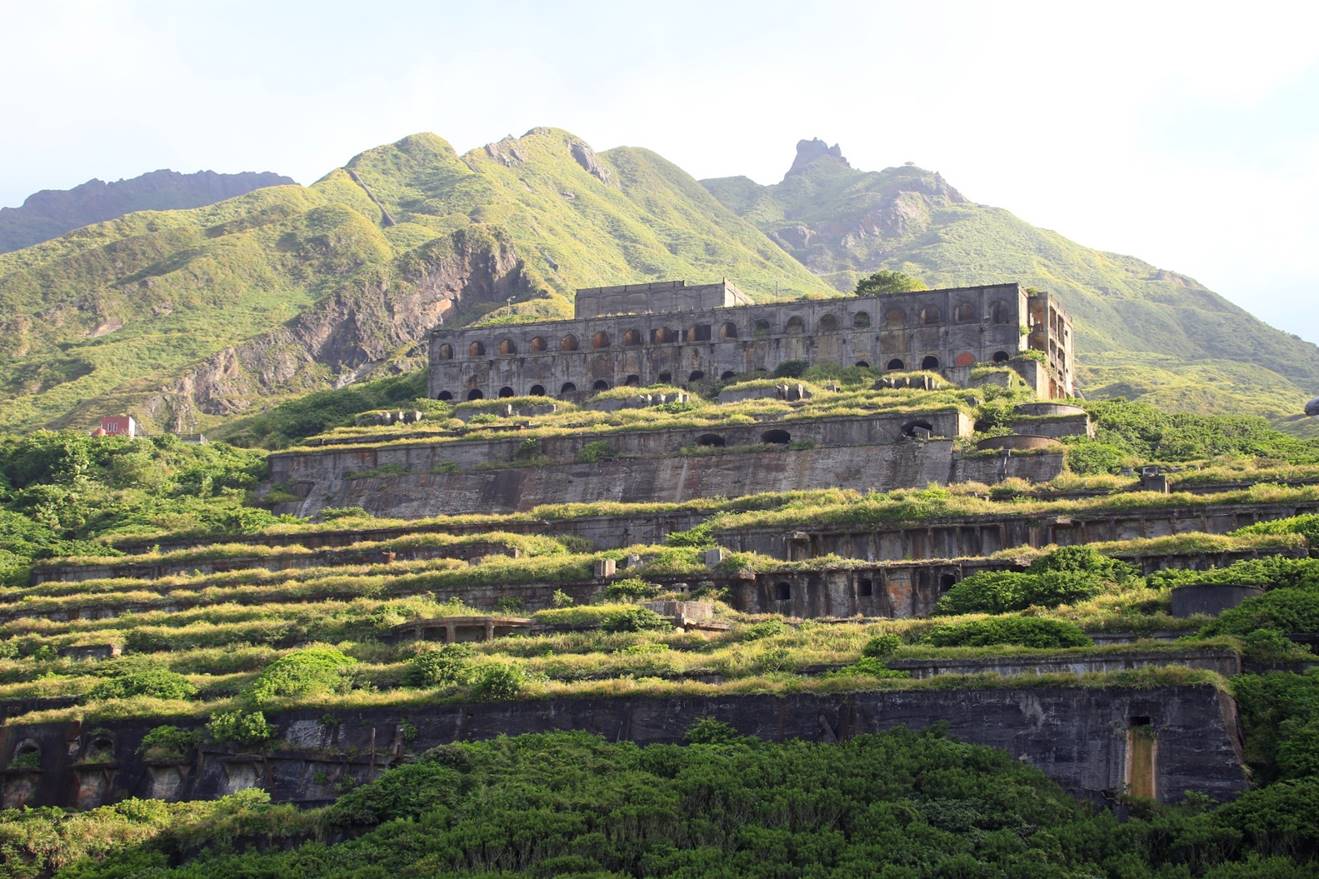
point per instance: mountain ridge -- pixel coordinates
(49, 213)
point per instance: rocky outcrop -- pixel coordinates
(585, 157)
(810, 151)
(52, 212)
(347, 333)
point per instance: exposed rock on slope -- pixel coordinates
(52, 212)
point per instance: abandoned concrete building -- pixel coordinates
(672, 333)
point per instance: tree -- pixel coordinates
(886, 281)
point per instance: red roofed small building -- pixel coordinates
(118, 425)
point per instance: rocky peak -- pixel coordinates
(810, 151)
(585, 157)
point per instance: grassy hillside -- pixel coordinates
(184, 317)
(1141, 329)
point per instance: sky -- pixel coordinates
(1184, 134)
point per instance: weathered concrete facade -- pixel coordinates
(669, 333)
(1080, 736)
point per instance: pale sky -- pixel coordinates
(1185, 134)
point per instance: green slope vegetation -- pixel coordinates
(1156, 332)
(183, 317)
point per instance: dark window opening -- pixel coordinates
(665, 377)
(537, 343)
(865, 587)
(795, 325)
(1140, 720)
(444, 352)
(947, 581)
(728, 331)
(728, 376)
(662, 335)
(632, 380)
(917, 429)
(698, 333)
(537, 391)
(506, 391)
(782, 591)
(444, 395)
(632, 337)
(931, 314)
(861, 320)
(930, 362)
(964, 313)
(476, 349)
(568, 388)
(895, 363)
(600, 340)
(600, 385)
(776, 437)
(711, 439)
(508, 346)
(568, 343)
(1001, 357)
(475, 394)
(696, 376)
(863, 364)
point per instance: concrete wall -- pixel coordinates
(322, 480)
(954, 327)
(1078, 736)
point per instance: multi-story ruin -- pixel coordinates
(672, 333)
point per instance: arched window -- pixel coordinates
(861, 320)
(600, 340)
(828, 324)
(711, 439)
(444, 395)
(776, 437)
(794, 325)
(728, 376)
(476, 349)
(1001, 357)
(27, 754)
(475, 394)
(782, 591)
(930, 362)
(537, 391)
(444, 352)
(966, 358)
(964, 313)
(760, 329)
(632, 380)
(947, 581)
(568, 343)
(895, 317)
(698, 333)
(895, 363)
(537, 344)
(506, 391)
(663, 335)
(863, 364)
(696, 376)
(507, 347)
(931, 314)
(568, 388)
(632, 337)
(665, 377)
(600, 385)
(728, 330)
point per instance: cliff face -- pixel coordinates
(52, 212)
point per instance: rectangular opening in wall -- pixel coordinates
(1142, 758)
(865, 587)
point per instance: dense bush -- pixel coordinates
(498, 680)
(1280, 716)
(900, 805)
(446, 665)
(1269, 572)
(1022, 631)
(1287, 610)
(240, 728)
(311, 671)
(144, 680)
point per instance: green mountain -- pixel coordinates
(184, 317)
(52, 212)
(1141, 331)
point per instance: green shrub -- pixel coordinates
(699, 536)
(311, 671)
(631, 589)
(1003, 591)
(446, 665)
(868, 666)
(1021, 631)
(1294, 611)
(594, 451)
(634, 619)
(167, 743)
(791, 369)
(153, 680)
(241, 728)
(561, 599)
(498, 681)
(1084, 560)
(764, 629)
(881, 646)
(709, 731)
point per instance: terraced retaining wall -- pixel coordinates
(1080, 736)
